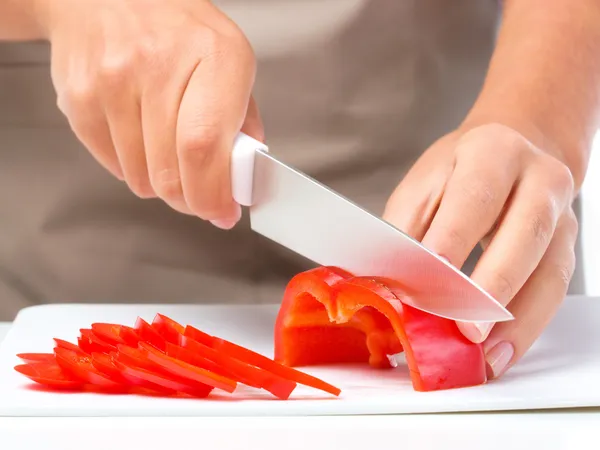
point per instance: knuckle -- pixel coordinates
(232, 47)
(455, 243)
(559, 175)
(150, 48)
(502, 286)
(167, 185)
(565, 268)
(79, 96)
(479, 192)
(572, 224)
(210, 40)
(542, 223)
(243, 48)
(498, 135)
(115, 69)
(197, 146)
(140, 186)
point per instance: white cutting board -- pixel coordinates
(561, 370)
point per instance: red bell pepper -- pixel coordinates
(328, 316)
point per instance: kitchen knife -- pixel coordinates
(305, 216)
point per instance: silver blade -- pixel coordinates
(305, 216)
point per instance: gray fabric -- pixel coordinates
(351, 91)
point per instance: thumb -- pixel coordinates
(415, 201)
(253, 124)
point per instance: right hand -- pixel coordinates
(157, 91)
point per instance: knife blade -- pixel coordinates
(305, 216)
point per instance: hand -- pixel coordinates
(490, 185)
(157, 91)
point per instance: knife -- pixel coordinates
(297, 212)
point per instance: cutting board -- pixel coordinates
(561, 370)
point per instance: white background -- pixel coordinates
(590, 229)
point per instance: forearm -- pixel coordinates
(20, 20)
(544, 77)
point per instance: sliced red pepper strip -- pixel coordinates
(69, 346)
(258, 360)
(250, 358)
(37, 357)
(90, 342)
(199, 336)
(80, 367)
(116, 334)
(329, 319)
(150, 378)
(185, 370)
(132, 380)
(149, 334)
(168, 328)
(241, 371)
(49, 374)
(137, 357)
(236, 368)
(196, 359)
(105, 365)
(134, 356)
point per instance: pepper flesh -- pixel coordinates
(329, 316)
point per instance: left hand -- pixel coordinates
(490, 185)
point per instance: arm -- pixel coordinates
(156, 90)
(544, 77)
(19, 20)
(507, 177)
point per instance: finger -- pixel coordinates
(211, 114)
(537, 303)
(474, 197)
(413, 204)
(124, 121)
(253, 124)
(88, 122)
(160, 107)
(519, 243)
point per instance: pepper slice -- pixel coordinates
(149, 334)
(185, 370)
(169, 329)
(199, 336)
(90, 342)
(241, 371)
(129, 377)
(328, 316)
(150, 378)
(80, 367)
(198, 360)
(115, 334)
(250, 357)
(37, 357)
(49, 374)
(69, 346)
(138, 358)
(104, 364)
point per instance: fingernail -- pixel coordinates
(227, 224)
(498, 358)
(475, 332)
(224, 224)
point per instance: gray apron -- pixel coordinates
(351, 92)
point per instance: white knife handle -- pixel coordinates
(242, 167)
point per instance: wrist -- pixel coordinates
(22, 20)
(40, 17)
